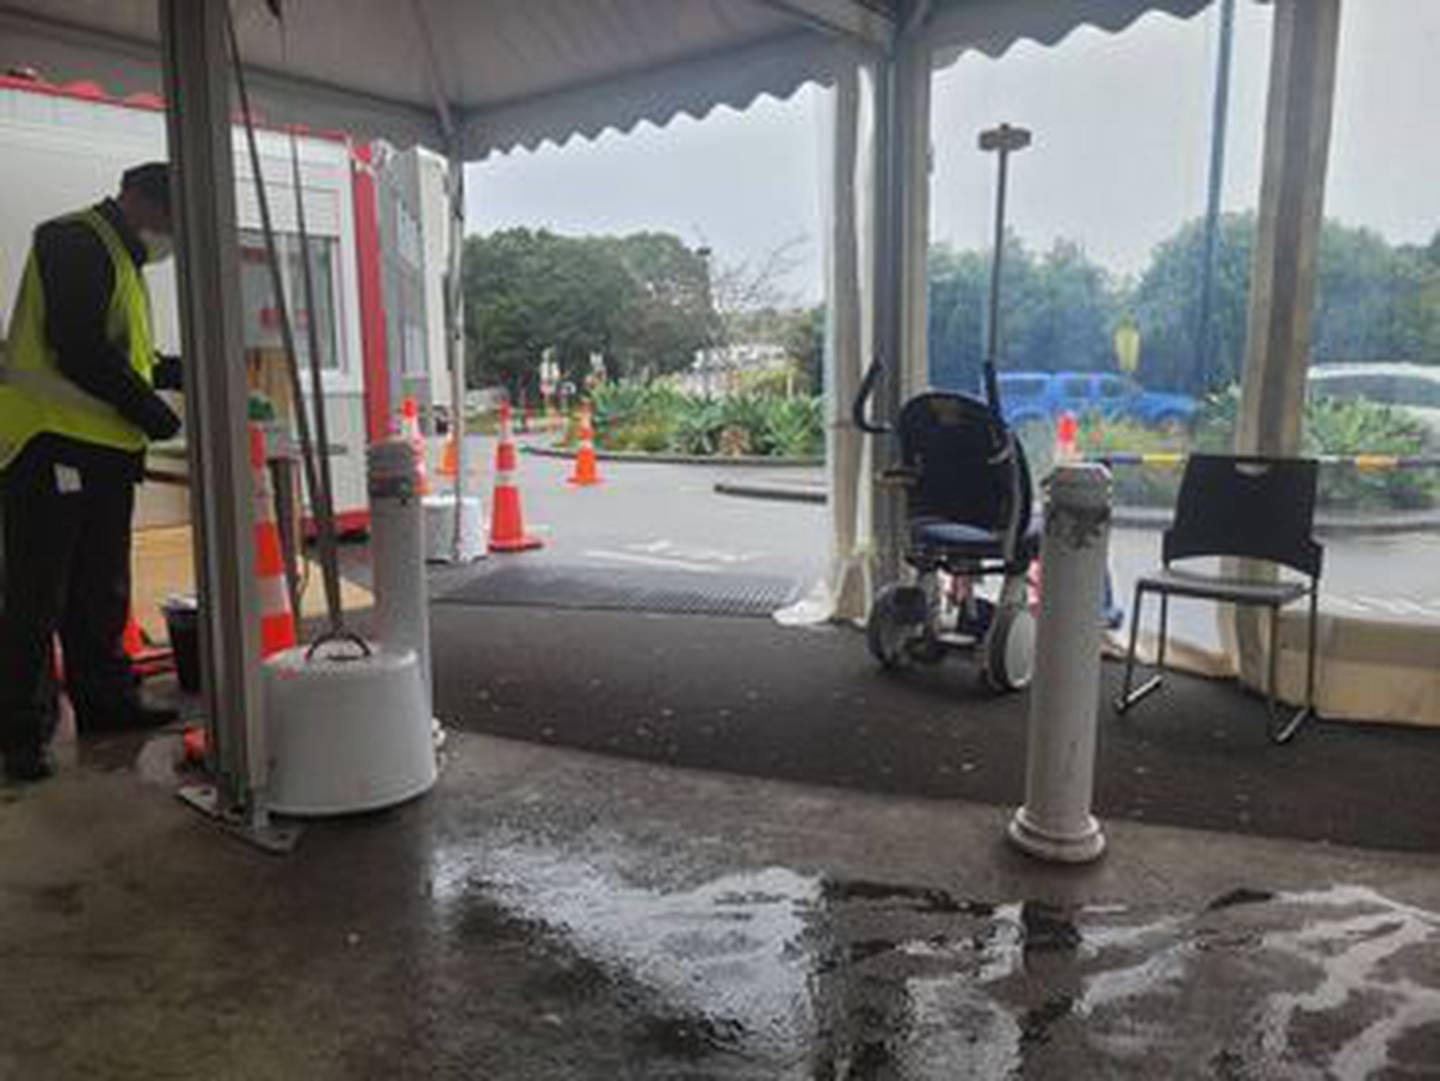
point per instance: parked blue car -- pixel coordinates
(1043, 396)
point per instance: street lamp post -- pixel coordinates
(1003, 141)
(1203, 331)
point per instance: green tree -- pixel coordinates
(1167, 306)
(668, 313)
(957, 298)
(1372, 302)
(802, 333)
(1056, 312)
(1066, 313)
(643, 301)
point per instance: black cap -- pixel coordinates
(151, 180)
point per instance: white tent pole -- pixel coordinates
(455, 341)
(912, 56)
(202, 174)
(901, 140)
(886, 345)
(1299, 109)
(1287, 240)
(844, 352)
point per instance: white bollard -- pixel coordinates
(1055, 823)
(397, 552)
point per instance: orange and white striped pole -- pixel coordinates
(586, 472)
(507, 521)
(277, 622)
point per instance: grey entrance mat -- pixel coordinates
(597, 588)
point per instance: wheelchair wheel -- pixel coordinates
(893, 628)
(1010, 649)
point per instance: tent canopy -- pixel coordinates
(486, 76)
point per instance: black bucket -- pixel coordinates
(182, 621)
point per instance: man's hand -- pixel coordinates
(168, 373)
(157, 420)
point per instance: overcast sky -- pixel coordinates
(1121, 127)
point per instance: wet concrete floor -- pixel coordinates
(551, 914)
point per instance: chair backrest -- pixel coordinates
(970, 468)
(1261, 508)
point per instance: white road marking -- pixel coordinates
(688, 555)
(701, 555)
(649, 561)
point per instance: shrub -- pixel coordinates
(795, 427)
(657, 417)
(697, 427)
(771, 384)
(1349, 427)
(1333, 426)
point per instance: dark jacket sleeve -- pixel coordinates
(77, 278)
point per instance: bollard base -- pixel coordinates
(1082, 847)
(439, 517)
(347, 733)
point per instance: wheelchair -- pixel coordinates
(968, 517)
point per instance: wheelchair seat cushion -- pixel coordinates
(940, 534)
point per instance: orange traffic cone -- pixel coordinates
(277, 622)
(193, 744)
(410, 429)
(145, 660)
(449, 459)
(1067, 432)
(134, 638)
(507, 523)
(585, 473)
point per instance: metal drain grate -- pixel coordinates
(626, 590)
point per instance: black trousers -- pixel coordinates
(67, 572)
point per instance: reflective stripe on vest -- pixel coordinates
(35, 396)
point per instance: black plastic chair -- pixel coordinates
(1255, 508)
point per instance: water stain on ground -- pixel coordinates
(1036, 1022)
(922, 898)
(1048, 927)
(1241, 895)
(688, 1037)
(775, 973)
(58, 898)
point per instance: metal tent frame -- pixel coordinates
(435, 72)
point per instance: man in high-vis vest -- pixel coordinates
(78, 406)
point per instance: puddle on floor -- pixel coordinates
(775, 973)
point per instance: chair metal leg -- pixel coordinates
(1310, 660)
(1128, 697)
(1274, 659)
(1164, 632)
(1283, 733)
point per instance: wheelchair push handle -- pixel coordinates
(858, 411)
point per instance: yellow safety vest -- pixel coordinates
(35, 396)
